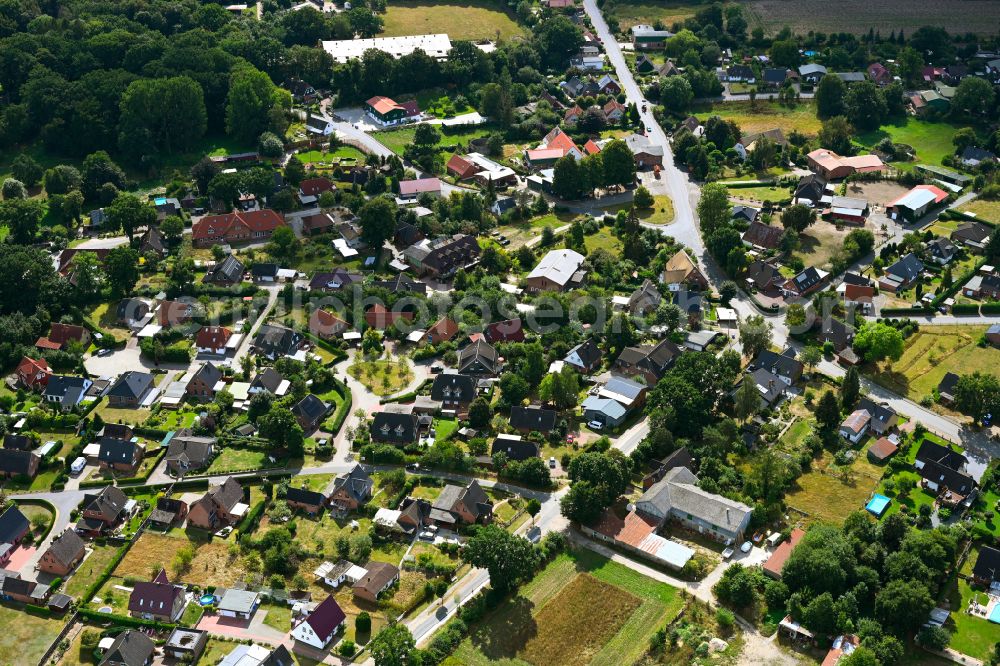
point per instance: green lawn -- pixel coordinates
(760, 193)
(763, 116)
(582, 608)
(444, 428)
(912, 499)
(603, 239)
(382, 377)
(932, 352)
(398, 139)
(931, 140)
(90, 569)
(467, 20)
(662, 211)
(278, 616)
(972, 635)
(25, 637)
(521, 233)
(192, 614)
(230, 460)
(828, 494)
(983, 209)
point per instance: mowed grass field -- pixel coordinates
(857, 16)
(931, 140)
(934, 351)
(581, 609)
(469, 19)
(829, 497)
(631, 12)
(25, 637)
(983, 209)
(763, 116)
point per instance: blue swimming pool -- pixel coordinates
(878, 504)
(995, 614)
(160, 201)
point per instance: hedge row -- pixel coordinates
(337, 422)
(124, 620)
(902, 312)
(965, 309)
(249, 522)
(103, 577)
(957, 284)
(404, 397)
(990, 308)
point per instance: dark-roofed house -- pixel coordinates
(986, 571)
(972, 235)
(202, 385)
(747, 214)
(453, 390)
(461, 506)
(646, 361)
(946, 387)
(16, 462)
(942, 471)
(13, 527)
(130, 389)
(443, 256)
(533, 419)
(309, 501)
(15, 588)
(189, 452)
(941, 250)
(269, 380)
(763, 236)
(226, 273)
(103, 511)
(349, 491)
(769, 385)
(836, 332)
(222, 505)
(764, 277)
(168, 511)
(119, 455)
(130, 648)
(158, 599)
(514, 447)
(810, 190)
(783, 365)
(64, 553)
(264, 272)
(18, 442)
(901, 274)
(322, 624)
(309, 412)
(67, 391)
(645, 299)
(396, 428)
(679, 458)
(585, 357)
(884, 417)
(276, 341)
(334, 280)
(479, 358)
(131, 310)
(809, 280)
(379, 578)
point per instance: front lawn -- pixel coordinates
(236, 460)
(983, 209)
(279, 616)
(25, 637)
(971, 634)
(92, 567)
(760, 194)
(397, 140)
(581, 608)
(382, 377)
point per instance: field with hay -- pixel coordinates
(857, 16)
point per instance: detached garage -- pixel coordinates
(239, 603)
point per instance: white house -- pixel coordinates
(337, 574)
(238, 603)
(855, 426)
(319, 628)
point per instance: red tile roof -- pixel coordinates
(782, 553)
(882, 449)
(225, 226)
(419, 186)
(213, 337)
(314, 186)
(461, 167)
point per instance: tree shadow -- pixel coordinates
(507, 631)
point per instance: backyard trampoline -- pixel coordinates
(877, 505)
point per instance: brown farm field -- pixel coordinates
(857, 16)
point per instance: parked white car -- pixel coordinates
(595, 425)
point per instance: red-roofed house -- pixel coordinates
(781, 554)
(33, 374)
(239, 227)
(443, 331)
(509, 330)
(553, 147)
(380, 318)
(174, 313)
(461, 168)
(572, 115)
(386, 111)
(323, 623)
(61, 335)
(412, 189)
(614, 111)
(326, 325)
(879, 74)
(591, 148)
(831, 166)
(212, 340)
(311, 188)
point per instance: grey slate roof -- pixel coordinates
(131, 384)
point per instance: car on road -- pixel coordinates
(595, 425)
(413, 467)
(745, 548)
